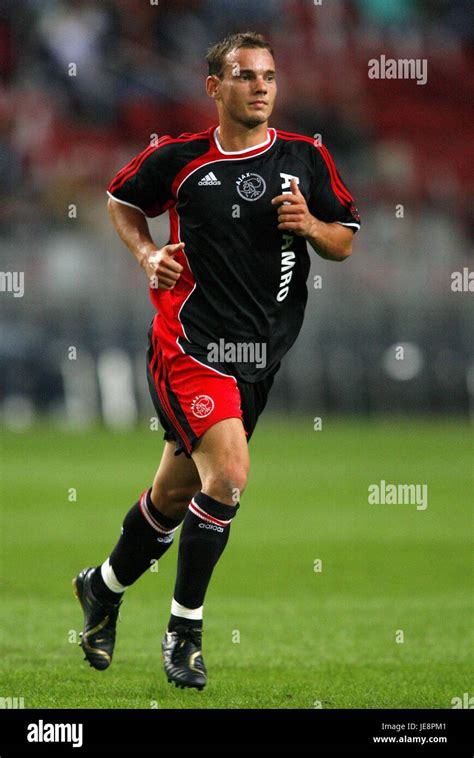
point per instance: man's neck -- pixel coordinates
(235, 138)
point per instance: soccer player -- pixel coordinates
(229, 290)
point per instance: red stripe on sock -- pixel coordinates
(194, 508)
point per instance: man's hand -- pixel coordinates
(331, 241)
(132, 227)
(293, 212)
(162, 270)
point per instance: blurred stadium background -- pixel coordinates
(140, 71)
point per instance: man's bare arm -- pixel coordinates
(132, 227)
(331, 241)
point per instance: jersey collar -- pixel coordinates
(255, 150)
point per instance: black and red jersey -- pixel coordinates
(244, 281)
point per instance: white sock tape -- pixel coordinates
(185, 613)
(110, 580)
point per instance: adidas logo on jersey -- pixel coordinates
(209, 179)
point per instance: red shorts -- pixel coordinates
(190, 397)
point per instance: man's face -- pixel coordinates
(246, 92)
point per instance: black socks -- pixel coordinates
(203, 538)
(146, 536)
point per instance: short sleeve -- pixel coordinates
(145, 182)
(330, 199)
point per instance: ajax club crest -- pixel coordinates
(250, 186)
(202, 406)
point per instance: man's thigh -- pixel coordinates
(222, 459)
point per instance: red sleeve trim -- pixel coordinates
(338, 187)
(133, 166)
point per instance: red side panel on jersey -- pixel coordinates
(170, 302)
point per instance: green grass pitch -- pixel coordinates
(277, 632)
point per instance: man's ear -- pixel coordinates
(212, 86)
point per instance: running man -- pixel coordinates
(229, 290)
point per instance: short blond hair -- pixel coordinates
(217, 53)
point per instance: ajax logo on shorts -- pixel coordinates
(251, 186)
(202, 406)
